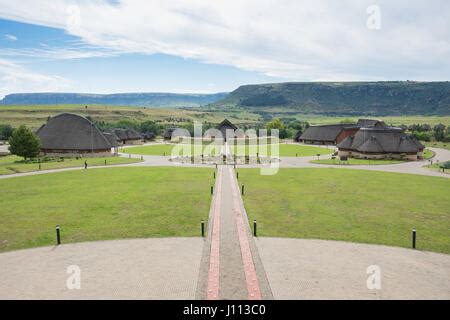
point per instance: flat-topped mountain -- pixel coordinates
(345, 98)
(124, 99)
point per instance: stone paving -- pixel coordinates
(320, 269)
(155, 268)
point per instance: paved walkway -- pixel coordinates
(319, 269)
(155, 268)
(234, 269)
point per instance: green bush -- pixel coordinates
(24, 143)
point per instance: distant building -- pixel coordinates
(381, 143)
(327, 134)
(174, 133)
(333, 134)
(229, 130)
(370, 123)
(71, 135)
(149, 136)
(113, 141)
(128, 136)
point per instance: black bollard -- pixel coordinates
(414, 238)
(58, 235)
(254, 228)
(203, 229)
(237, 175)
(216, 165)
(214, 174)
(242, 190)
(212, 190)
(105, 162)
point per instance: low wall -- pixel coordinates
(380, 156)
(75, 154)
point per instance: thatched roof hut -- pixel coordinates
(379, 142)
(70, 134)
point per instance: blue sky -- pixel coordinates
(102, 46)
(124, 72)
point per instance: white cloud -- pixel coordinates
(11, 37)
(15, 78)
(293, 39)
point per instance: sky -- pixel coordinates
(204, 46)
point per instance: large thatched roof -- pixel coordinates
(127, 134)
(381, 140)
(69, 131)
(323, 133)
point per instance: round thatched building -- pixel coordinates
(71, 135)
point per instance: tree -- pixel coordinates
(5, 131)
(439, 132)
(24, 143)
(276, 123)
(150, 126)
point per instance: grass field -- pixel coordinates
(355, 162)
(14, 164)
(289, 150)
(103, 204)
(166, 149)
(442, 145)
(35, 115)
(350, 205)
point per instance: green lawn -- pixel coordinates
(442, 145)
(428, 154)
(350, 205)
(103, 204)
(166, 149)
(14, 164)
(289, 150)
(352, 161)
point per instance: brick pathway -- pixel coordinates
(234, 268)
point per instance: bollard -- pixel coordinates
(105, 162)
(212, 190)
(242, 190)
(296, 155)
(237, 175)
(39, 166)
(214, 175)
(142, 158)
(58, 235)
(234, 165)
(254, 228)
(216, 165)
(414, 238)
(203, 229)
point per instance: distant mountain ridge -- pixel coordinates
(344, 98)
(124, 99)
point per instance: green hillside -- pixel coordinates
(344, 98)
